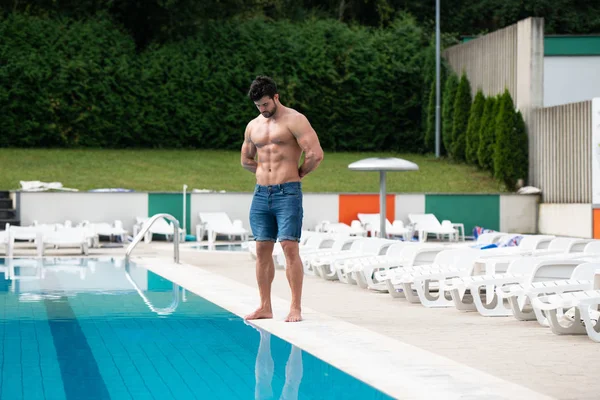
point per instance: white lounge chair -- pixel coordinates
(340, 243)
(97, 229)
(369, 248)
(524, 271)
(425, 224)
(372, 223)
(522, 295)
(5, 240)
(419, 284)
(65, 238)
(160, 227)
(426, 281)
(313, 243)
(354, 229)
(584, 318)
(219, 223)
(324, 265)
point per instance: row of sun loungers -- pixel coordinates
(552, 280)
(423, 225)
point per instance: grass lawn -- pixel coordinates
(169, 170)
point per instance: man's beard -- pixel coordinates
(269, 114)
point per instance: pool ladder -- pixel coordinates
(147, 226)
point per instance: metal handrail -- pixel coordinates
(170, 309)
(145, 229)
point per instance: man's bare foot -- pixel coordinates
(294, 316)
(260, 313)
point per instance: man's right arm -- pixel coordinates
(249, 152)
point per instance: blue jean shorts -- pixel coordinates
(276, 212)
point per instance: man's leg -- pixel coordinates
(264, 229)
(265, 272)
(295, 275)
(264, 366)
(293, 375)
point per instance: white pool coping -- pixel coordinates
(395, 368)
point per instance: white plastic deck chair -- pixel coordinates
(97, 229)
(524, 271)
(521, 296)
(354, 229)
(5, 240)
(313, 243)
(322, 263)
(425, 224)
(160, 227)
(400, 256)
(372, 223)
(219, 223)
(583, 304)
(65, 238)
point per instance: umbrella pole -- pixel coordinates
(382, 216)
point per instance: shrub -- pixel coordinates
(81, 83)
(448, 96)
(487, 134)
(475, 116)
(511, 152)
(460, 120)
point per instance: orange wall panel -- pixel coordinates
(352, 204)
(596, 222)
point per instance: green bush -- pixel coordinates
(448, 96)
(81, 83)
(487, 134)
(475, 116)
(511, 152)
(460, 120)
(430, 128)
(65, 83)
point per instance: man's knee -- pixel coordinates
(290, 250)
(264, 250)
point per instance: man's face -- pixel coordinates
(267, 106)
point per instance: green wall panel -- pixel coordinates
(572, 45)
(471, 210)
(567, 45)
(170, 203)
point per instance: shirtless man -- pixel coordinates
(278, 136)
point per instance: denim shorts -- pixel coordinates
(276, 212)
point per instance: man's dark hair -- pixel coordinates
(262, 86)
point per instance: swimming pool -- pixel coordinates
(94, 328)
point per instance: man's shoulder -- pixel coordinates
(252, 122)
(294, 116)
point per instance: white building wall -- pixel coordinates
(570, 79)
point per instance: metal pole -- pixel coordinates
(437, 79)
(184, 210)
(382, 213)
(176, 240)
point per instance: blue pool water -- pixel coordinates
(77, 328)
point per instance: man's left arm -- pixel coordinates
(309, 143)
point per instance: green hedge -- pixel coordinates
(487, 135)
(460, 120)
(511, 147)
(475, 115)
(67, 83)
(448, 98)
